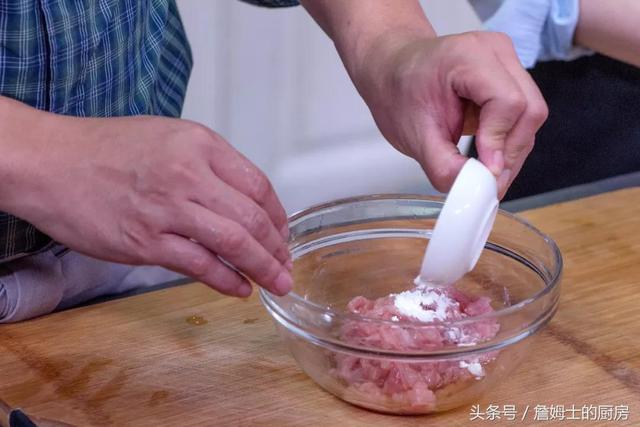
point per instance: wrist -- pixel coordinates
(376, 71)
(367, 34)
(370, 49)
(23, 148)
(376, 53)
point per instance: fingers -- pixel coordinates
(512, 108)
(229, 203)
(520, 140)
(501, 101)
(508, 175)
(238, 172)
(233, 243)
(180, 254)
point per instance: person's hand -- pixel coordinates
(424, 92)
(153, 191)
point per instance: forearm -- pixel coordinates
(611, 28)
(357, 27)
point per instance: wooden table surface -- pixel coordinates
(137, 361)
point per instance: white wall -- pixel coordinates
(271, 82)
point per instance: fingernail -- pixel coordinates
(244, 290)
(289, 265)
(503, 180)
(284, 232)
(284, 283)
(497, 163)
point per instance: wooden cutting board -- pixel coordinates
(139, 361)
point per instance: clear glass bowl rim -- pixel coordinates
(550, 284)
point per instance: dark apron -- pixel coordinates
(593, 130)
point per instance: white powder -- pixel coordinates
(453, 334)
(429, 303)
(395, 318)
(474, 368)
(424, 304)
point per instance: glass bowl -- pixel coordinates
(372, 247)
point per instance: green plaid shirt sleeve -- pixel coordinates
(89, 58)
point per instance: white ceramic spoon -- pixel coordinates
(462, 228)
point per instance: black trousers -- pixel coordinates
(593, 130)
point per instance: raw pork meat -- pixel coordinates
(412, 385)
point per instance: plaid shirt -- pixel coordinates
(91, 58)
